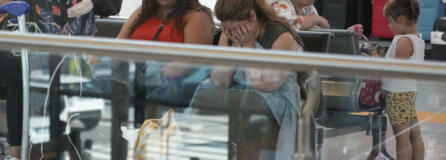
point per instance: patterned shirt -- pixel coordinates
(67, 17)
(285, 9)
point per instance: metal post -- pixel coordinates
(304, 151)
(25, 77)
(119, 101)
(54, 106)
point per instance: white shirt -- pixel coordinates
(404, 85)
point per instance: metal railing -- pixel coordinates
(144, 50)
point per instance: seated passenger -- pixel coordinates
(300, 13)
(176, 21)
(304, 15)
(253, 24)
(74, 22)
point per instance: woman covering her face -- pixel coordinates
(254, 24)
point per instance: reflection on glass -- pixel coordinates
(102, 111)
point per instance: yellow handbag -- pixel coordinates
(157, 138)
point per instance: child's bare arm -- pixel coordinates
(312, 20)
(404, 48)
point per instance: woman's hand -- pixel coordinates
(265, 79)
(221, 76)
(254, 76)
(244, 34)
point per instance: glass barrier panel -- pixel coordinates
(369, 117)
(104, 108)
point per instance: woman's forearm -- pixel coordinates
(176, 69)
(221, 76)
(266, 79)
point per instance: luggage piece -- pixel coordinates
(429, 11)
(105, 8)
(336, 13)
(339, 13)
(440, 24)
(109, 27)
(380, 25)
(438, 40)
(364, 16)
(342, 14)
(3, 125)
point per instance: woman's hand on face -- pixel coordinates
(244, 34)
(228, 33)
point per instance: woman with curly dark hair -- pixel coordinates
(182, 21)
(175, 21)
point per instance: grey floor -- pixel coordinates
(431, 98)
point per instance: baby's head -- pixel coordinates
(402, 14)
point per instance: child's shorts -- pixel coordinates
(401, 107)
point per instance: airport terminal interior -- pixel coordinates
(78, 83)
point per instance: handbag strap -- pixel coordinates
(160, 29)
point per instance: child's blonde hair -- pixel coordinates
(410, 9)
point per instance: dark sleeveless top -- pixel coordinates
(272, 32)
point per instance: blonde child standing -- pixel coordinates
(401, 93)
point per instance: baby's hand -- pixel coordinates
(323, 22)
(358, 28)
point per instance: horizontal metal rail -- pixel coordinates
(200, 54)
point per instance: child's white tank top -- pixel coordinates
(404, 85)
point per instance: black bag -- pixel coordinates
(105, 8)
(440, 24)
(438, 41)
(345, 13)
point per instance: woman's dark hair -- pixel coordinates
(237, 10)
(410, 9)
(182, 7)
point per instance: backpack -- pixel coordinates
(105, 8)
(370, 94)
